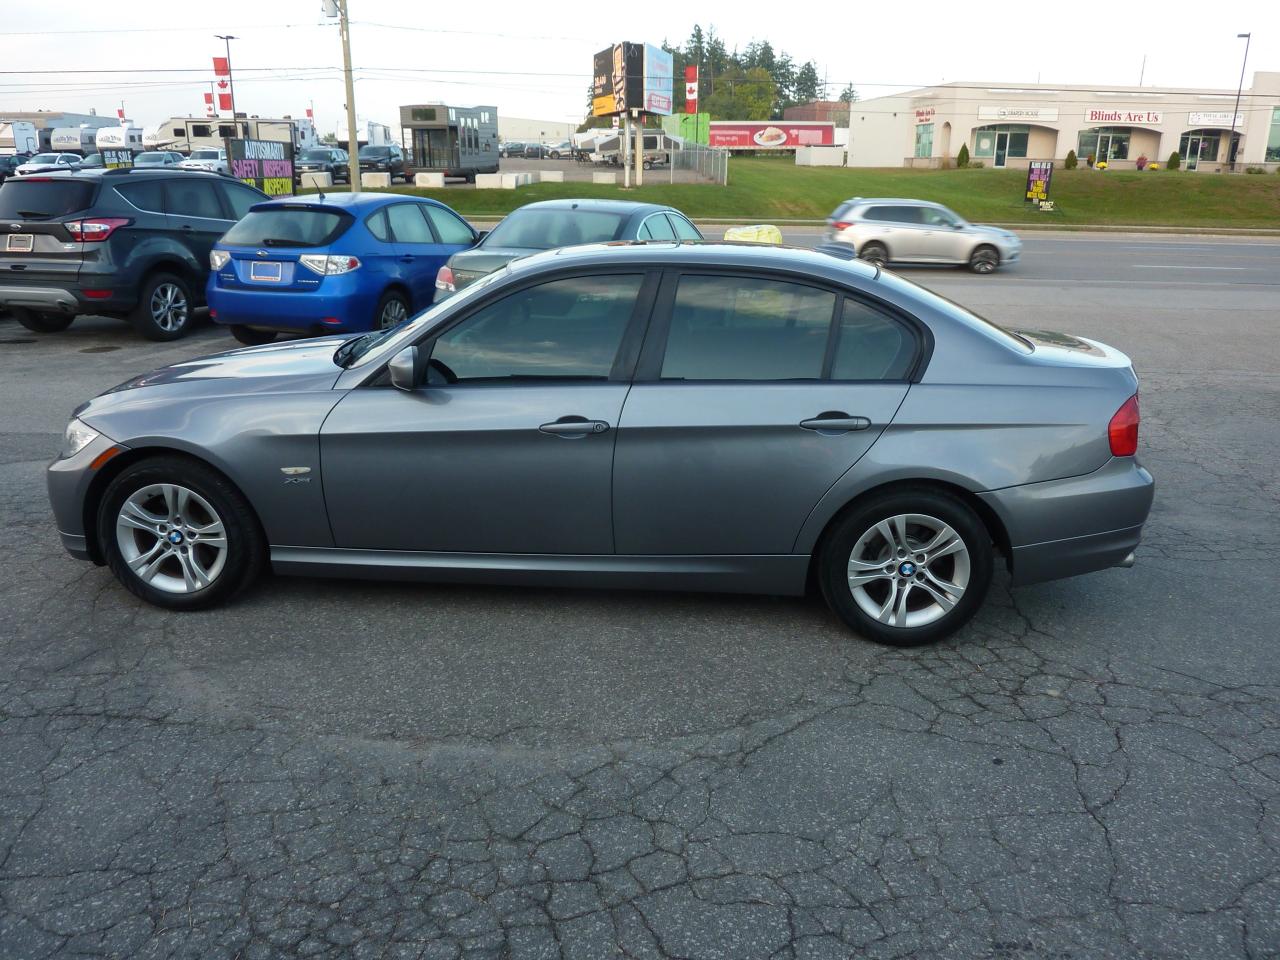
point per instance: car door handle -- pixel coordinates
(406, 259)
(572, 429)
(835, 421)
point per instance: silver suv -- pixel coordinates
(890, 230)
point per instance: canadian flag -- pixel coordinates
(208, 105)
(120, 113)
(691, 89)
(220, 67)
(224, 101)
(309, 114)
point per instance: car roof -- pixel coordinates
(628, 207)
(901, 201)
(346, 200)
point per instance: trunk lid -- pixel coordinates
(1062, 348)
(35, 244)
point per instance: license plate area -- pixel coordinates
(267, 272)
(20, 243)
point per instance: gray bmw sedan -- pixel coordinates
(661, 415)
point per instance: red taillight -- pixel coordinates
(444, 279)
(841, 225)
(94, 231)
(96, 294)
(1122, 431)
(331, 321)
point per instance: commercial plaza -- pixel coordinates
(1008, 125)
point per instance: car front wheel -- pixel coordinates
(178, 534)
(907, 568)
(984, 260)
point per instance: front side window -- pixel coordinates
(739, 328)
(192, 198)
(408, 224)
(924, 140)
(933, 217)
(565, 329)
(449, 227)
(871, 345)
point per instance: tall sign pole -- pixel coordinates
(338, 8)
(231, 83)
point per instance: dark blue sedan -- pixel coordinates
(333, 263)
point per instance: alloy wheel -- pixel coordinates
(984, 261)
(171, 538)
(908, 570)
(393, 313)
(169, 307)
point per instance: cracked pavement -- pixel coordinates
(338, 769)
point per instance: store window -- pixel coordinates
(924, 140)
(1273, 141)
(1104, 143)
(1010, 138)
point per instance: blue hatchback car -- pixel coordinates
(332, 263)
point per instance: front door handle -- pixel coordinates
(406, 259)
(835, 421)
(574, 428)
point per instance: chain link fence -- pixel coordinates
(708, 163)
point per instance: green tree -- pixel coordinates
(849, 95)
(806, 89)
(962, 158)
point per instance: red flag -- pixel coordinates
(690, 89)
(221, 67)
(309, 116)
(120, 113)
(224, 101)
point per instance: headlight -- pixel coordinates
(78, 436)
(218, 259)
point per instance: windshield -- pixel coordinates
(22, 199)
(351, 353)
(45, 158)
(321, 155)
(367, 153)
(287, 227)
(144, 158)
(545, 229)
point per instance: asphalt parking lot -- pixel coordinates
(331, 769)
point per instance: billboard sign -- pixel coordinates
(1039, 174)
(117, 159)
(659, 92)
(265, 164)
(617, 83)
(765, 135)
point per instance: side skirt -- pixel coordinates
(774, 574)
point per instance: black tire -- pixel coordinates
(897, 575)
(984, 259)
(381, 318)
(251, 336)
(42, 322)
(647, 164)
(245, 551)
(874, 252)
(150, 317)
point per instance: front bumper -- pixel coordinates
(1061, 528)
(69, 481)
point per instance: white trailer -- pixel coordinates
(185, 134)
(73, 139)
(123, 137)
(19, 137)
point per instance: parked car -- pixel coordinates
(384, 159)
(511, 148)
(341, 262)
(330, 160)
(130, 243)
(534, 151)
(92, 161)
(562, 149)
(888, 230)
(206, 158)
(691, 416)
(158, 158)
(47, 163)
(562, 223)
(8, 166)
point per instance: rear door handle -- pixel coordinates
(406, 259)
(835, 421)
(575, 428)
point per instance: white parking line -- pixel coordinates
(1167, 266)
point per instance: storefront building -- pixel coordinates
(1008, 126)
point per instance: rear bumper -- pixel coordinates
(1061, 528)
(63, 298)
(288, 310)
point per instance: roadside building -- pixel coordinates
(1009, 125)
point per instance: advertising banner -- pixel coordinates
(659, 91)
(116, 159)
(766, 135)
(265, 164)
(617, 83)
(1039, 175)
(1214, 119)
(1112, 115)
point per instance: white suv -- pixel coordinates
(890, 230)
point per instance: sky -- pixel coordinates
(533, 59)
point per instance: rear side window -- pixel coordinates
(871, 345)
(144, 194)
(43, 199)
(739, 328)
(684, 229)
(192, 198)
(449, 226)
(287, 227)
(657, 228)
(377, 225)
(239, 198)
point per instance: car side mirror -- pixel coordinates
(480, 238)
(403, 369)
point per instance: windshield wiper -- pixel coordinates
(347, 351)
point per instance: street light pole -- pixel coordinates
(231, 83)
(353, 143)
(1239, 89)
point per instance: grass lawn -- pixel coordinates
(776, 189)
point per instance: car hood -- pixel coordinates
(295, 366)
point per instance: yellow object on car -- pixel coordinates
(760, 233)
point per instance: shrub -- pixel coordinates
(1102, 165)
(1175, 160)
(975, 164)
(1153, 166)
(962, 158)
(1071, 162)
(1141, 162)
(1255, 169)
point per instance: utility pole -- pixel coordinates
(353, 141)
(1239, 89)
(231, 83)
(1143, 72)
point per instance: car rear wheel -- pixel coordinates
(392, 309)
(984, 260)
(874, 253)
(907, 568)
(179, 535)
(164, 308)
(251, 336)
(42, 322)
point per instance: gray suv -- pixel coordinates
(889, 230)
